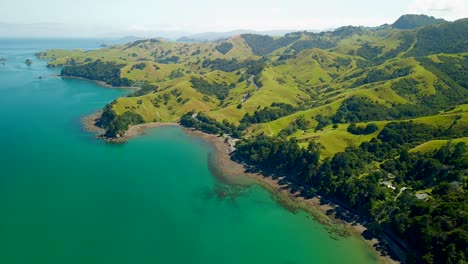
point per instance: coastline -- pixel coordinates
(89, 124)
(322, 210)
(140, 129)
(100, 83)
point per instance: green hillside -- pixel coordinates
(337, 112)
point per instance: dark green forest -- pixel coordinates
(98, 70)
(435, 228)
(224, 47)
(220, 90)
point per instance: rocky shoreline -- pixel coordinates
(89, 124)
(323, 210)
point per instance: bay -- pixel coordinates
(66, 197)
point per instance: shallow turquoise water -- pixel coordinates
(66, 197)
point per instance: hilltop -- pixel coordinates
(218, 36)
(370, 116)
(416, 21)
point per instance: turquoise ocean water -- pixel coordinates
(66, 197)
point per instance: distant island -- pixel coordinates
(374, 119)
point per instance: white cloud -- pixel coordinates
(448, 9)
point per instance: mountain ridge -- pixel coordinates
(413, 21)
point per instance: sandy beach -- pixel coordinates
(324, 211)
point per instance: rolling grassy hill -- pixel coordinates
(313, 72)
(357, 105)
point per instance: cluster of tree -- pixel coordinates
(300, 123)
(447, 37)
(391, 140)
(168, 60)
(400, 133)
(453, 71)
(362, 109)
(176, 74)
(351, 179)
(224, 47)
(406, 88)
(358, 130)
(98, 70)
(430, 170)
(369, 52)
(445, 96)
(223, 64)
(435, 229)
(385, 74)
(257, 81)
(438, 221)
(407, 40)
(253, 66)
(322, 121)
(116, 125)
(220, 90)
(263, 45)
(319, 43)
(144, 88)
(209, 125)
(121, 123)
(341, 62)
(275, 111)
(165, 97)
(139, 66)
(108, 114)
(275, 155)
(287, 55)
(451, 90)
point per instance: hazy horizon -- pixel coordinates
(145, 18)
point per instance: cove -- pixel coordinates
(66, 197)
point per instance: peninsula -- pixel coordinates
(374, 119)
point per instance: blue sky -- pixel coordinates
(220, 15)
